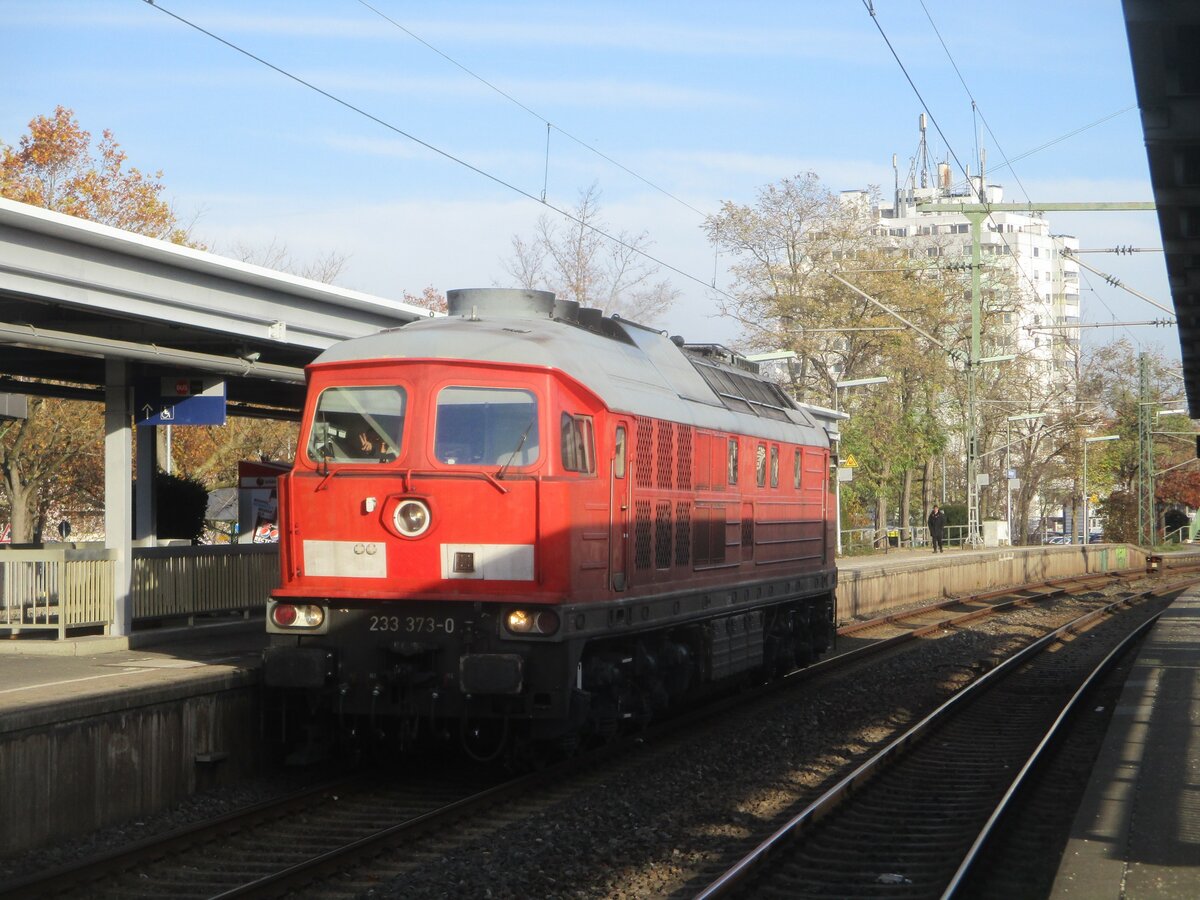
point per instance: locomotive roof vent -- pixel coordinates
(566, 310)
(725, 355)
(511, 303)
(590, 317)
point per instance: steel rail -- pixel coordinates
(1036, 757)
(93, 868)
(737, 876)
(1041, 590)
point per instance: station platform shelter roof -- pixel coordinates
(1163, 37)
(74, 294)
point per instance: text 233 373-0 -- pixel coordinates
(412, 624)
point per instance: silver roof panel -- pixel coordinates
(648, 376)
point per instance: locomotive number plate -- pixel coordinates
(411, 624)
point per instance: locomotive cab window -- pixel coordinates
(358, 424)
(479, 426)
(578, 445)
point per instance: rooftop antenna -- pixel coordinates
(896, 180)
(923, 156)
(982, 174)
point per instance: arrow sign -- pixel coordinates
(180, 400)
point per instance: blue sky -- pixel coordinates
(707, 101)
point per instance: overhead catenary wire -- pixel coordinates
(1117, 283)
(949, 147)
(1100, 299)
(549, 125)
(974, 106)
(445, 154)
(1070, 134)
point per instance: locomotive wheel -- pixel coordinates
(485, 740)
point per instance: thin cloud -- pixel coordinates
(632, 34)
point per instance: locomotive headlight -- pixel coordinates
(528, 621)
(411, 518)
(292, 615)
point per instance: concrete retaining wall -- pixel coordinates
(78, 766)
(872, 589)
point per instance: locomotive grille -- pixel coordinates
(662, 534)
(666, 454)
(645, 452)
(683, 533)
(683, 471)
(641, 534)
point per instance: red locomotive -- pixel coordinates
(528, 522)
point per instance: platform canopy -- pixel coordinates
(1164, 45)
(74, 293)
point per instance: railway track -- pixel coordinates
(297, 842)
(265, 848)
(913, 819)
(874, 635)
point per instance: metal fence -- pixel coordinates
(63, 588)
(56, 589)
(859, 540)
(184, 582)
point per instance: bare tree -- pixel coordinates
(276, 255)
(582, 259)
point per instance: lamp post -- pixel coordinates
(1092, 440)
(1008, 460)
(837, 387)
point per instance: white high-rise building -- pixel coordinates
(1046, 279)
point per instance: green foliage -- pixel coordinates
(1120, 510)
(956, 513)
(181, 504)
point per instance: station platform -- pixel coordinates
(1137, 832)
(906, 555)
(41, 680)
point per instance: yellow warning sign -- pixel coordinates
(850, 462)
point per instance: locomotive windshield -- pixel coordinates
(486, 427)
(358, 424)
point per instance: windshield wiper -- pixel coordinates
(517, 449)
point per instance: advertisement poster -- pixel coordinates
(258, 501)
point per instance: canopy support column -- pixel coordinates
(118, 489)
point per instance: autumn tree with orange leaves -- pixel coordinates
(53, 460)
(55, 166)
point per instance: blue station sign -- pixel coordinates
(179, 401)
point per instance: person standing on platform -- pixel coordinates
(937, 528)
